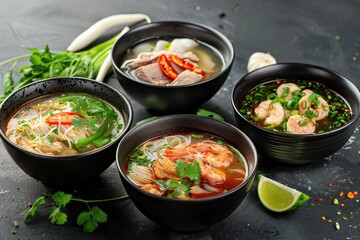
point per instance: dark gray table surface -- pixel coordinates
(324, 32)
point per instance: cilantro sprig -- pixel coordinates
(88, 220)
(190, 176)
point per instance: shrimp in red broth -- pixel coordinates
(186, 166)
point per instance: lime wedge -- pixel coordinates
(277, 197)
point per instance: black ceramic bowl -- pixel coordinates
(186, 215)
(294, 148)
(172, 98)
(64, 169)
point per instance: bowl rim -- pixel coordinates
(250, 176)
(285, 64)
(80, 155)
(220, 35)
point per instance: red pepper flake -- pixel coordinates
(330, 197)
(319, 199)
(341, 194)
(331, 185)
(350, 195)
(355, 193)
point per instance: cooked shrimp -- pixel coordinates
(307, 91)
(210, 174)
(300, 125)
(272, 113)
(164, 168)
(320, 111)
(216, 155)
(292, 88)
(152, 188)
(262, 111)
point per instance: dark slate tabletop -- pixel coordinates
(323, 32)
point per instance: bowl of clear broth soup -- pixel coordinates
(64, 130)
(186, 172)
(172, 66)
(296, 113)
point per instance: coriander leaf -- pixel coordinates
(61, 198)
(33, 210)
(78, 122)
(206, 113)
(190, 170)
(82, 218)
(138, 158)
(99, 215)
(93, 125)
(176, 187)
(89, 220)
(57, 217)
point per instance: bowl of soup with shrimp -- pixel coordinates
(195, 169)
(297, 113)
(172, 66)
(64, 130)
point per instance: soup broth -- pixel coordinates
(186, 166)
(65, 124)
(199, 60)
(298, 107)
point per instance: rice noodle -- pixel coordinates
(210, 188)
(141, 175)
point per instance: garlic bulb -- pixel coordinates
(259, 60)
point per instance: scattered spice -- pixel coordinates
(338, 213)
(323, 218)
(16, 224)
(329, 220)
(312, 204)
(319, 199)
(13, 231)
(355, 193)
(337, 226)
(350, 195)
(331, 185)
(343, 204)
(344, 218)
(336, 202)
(357, 200)
(341, 194)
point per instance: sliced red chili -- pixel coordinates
(63, 117)
(166, 67)
(184, 64)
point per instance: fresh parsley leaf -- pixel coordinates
(190, 170)
(90, 220)
(57, 216)
(207, 113)
(61, 198)
(33, 210)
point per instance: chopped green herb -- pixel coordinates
(138, 158)
(198, 136)
(32, 136)
(190, 170)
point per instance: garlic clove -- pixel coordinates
(259, 60)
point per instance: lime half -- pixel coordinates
(277, 197)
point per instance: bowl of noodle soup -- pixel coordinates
(64, 130)
(186, 172)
